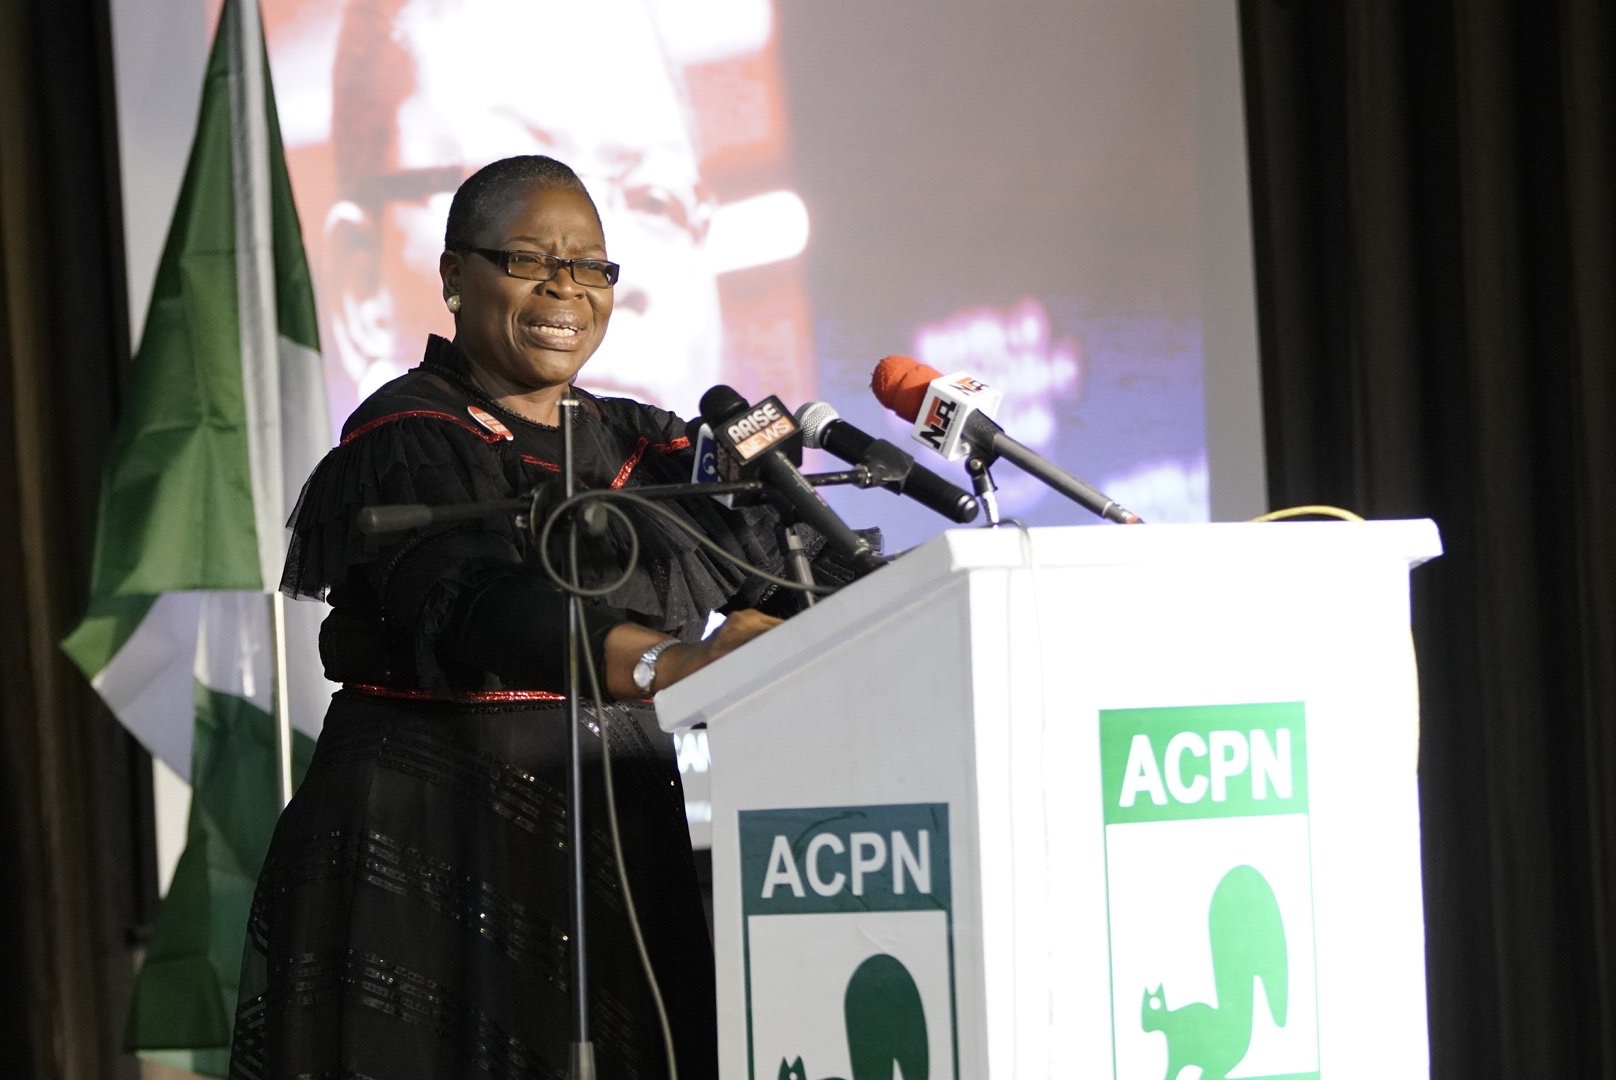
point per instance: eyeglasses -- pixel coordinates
(538, 266)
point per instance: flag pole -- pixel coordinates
(255, 285)
(283, 714)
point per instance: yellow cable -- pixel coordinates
(1302, 511)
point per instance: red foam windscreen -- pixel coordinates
(899, 383)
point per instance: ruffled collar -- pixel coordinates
(453, 364)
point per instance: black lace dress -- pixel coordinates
(411, 919)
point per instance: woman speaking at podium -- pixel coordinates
(413, 915)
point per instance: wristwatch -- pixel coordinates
(645, 669)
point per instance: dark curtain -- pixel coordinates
(1432, 189)
(76, 846)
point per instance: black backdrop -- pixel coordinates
(1435, 252)
(1432, 187)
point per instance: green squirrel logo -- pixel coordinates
(886, 1025)
(1248, 943)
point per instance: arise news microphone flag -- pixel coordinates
(953, 414)
(224, 417)
(762, 440)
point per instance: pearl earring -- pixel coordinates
(453, 303)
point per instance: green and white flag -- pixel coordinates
(225, 416)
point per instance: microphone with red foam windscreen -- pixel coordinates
(953, 414)
(900, 383)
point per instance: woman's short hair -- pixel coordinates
(487, 193)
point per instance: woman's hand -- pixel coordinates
(626, 641)
(736, 630)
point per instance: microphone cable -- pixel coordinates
(606, 498)
(583, 502)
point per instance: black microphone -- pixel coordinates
(892, 467)
(755, 439)
(401, 517)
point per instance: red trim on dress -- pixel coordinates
(433, 414)
(628, 466)
(475, 696)
(623, 473)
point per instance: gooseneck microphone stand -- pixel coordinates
(583, 1050)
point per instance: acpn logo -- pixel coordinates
(848, 942)
(1208, 879)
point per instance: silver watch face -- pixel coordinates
(645, 670)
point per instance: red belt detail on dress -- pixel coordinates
(466, 696)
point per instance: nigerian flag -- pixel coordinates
(224, 417)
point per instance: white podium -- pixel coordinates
(1080, 802)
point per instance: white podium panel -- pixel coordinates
(1086, 802)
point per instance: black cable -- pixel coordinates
(572, 585)
(617, 846)
(606, 498)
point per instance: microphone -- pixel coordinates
(951, 414)
(890, 466)
(401, 517)
(705, 468)
(756, 439)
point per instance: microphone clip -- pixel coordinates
(986, 490)
(886, 465)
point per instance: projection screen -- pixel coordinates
(1047, 194)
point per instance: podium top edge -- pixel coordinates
(1413, 541)
(1250, 548)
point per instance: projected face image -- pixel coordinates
(453, 86)
(713, 136)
